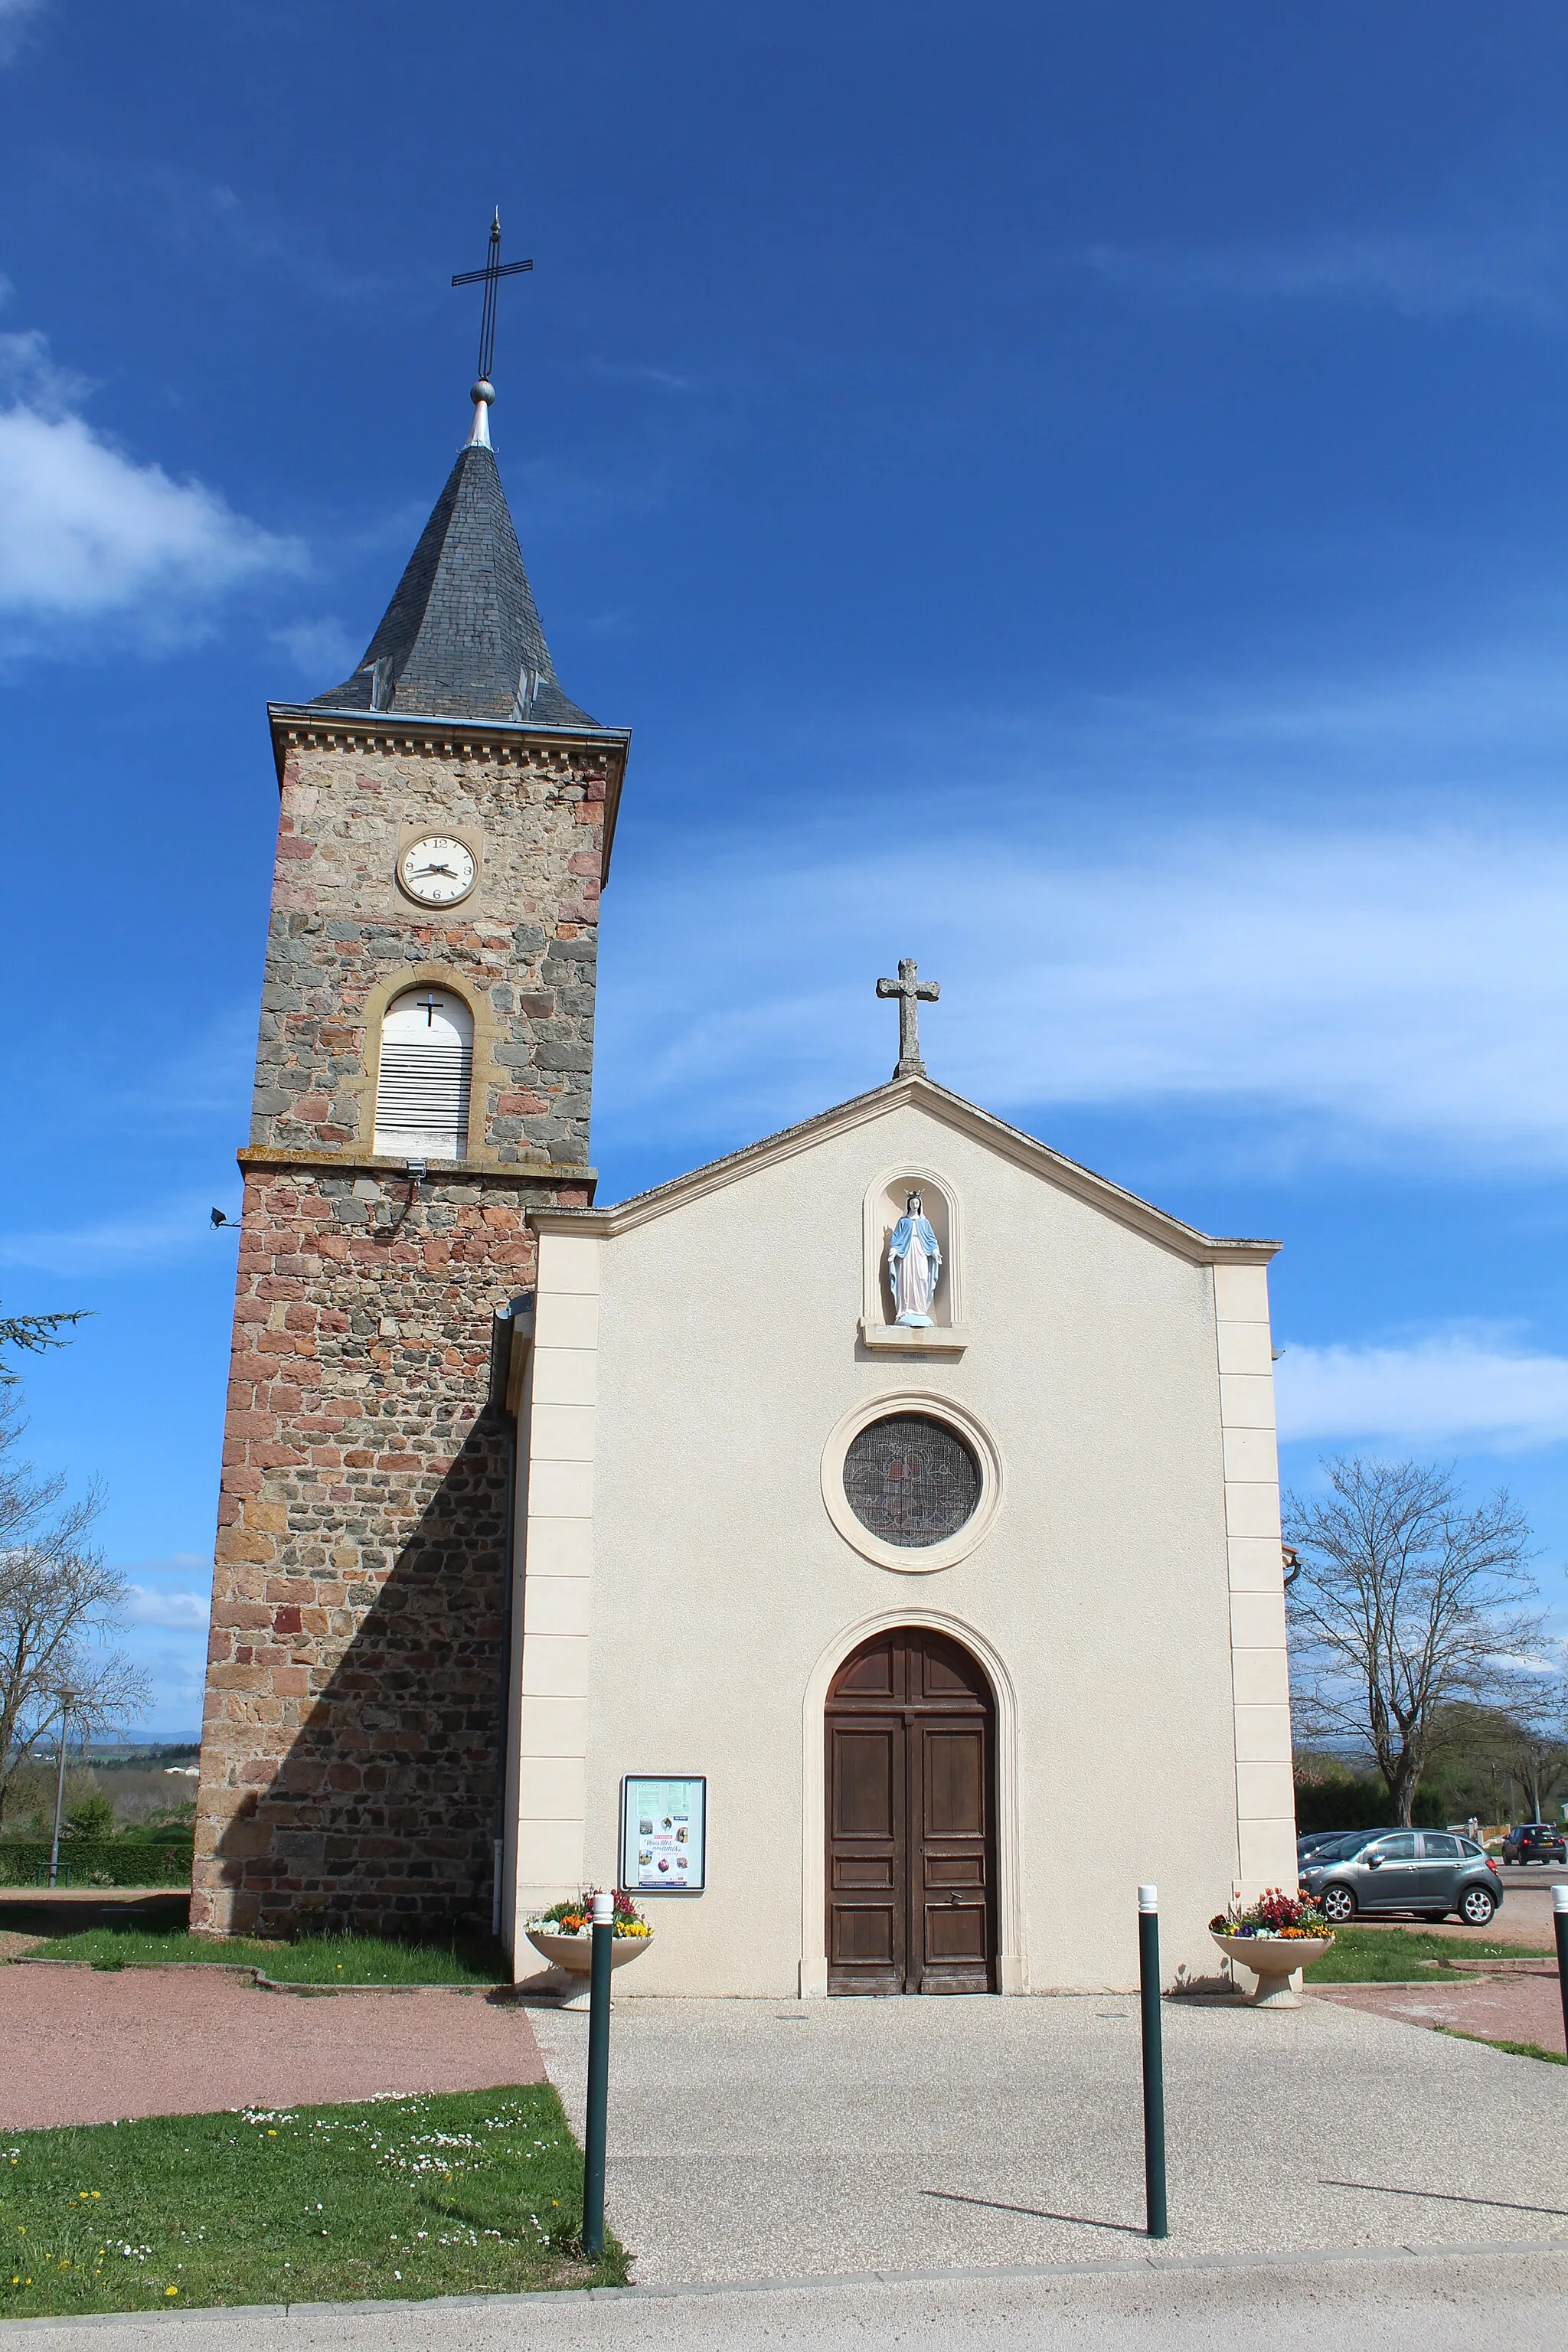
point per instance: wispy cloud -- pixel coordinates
(1518, 271)
(211, 222)
(1343, 958)
(1456, 1388)
(1359, 993)
(322, 650)
(172, 1229)
(174, 1611)
(17, 18)
(657, 379)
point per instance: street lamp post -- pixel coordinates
(66, 1698)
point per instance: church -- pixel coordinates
(865, 1550)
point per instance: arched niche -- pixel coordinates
(884, 1205)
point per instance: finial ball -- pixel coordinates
(484, 390)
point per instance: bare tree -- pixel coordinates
(1406, 1599)
(1533, 1746)
(58, 1607)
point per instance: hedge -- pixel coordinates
(1359, 1805)
(99, 1861)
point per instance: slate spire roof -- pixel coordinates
(461, 637)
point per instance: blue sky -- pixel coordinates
(1075, 495)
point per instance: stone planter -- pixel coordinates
(573, 1955)
(1273, 1959)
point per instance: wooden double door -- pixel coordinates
(912, 1810)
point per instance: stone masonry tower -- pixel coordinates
(422, 1081)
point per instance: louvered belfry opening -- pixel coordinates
(423, 1076)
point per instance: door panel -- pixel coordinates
(866, 1780)
(911, 1776)
(866, 1793)
(955, 1782)
(955, 1940)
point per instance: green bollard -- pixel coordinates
(598, 2078)
(1560, 1929)
(1154, 2062)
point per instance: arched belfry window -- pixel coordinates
(424, 1075)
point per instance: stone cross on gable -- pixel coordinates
(911, 991)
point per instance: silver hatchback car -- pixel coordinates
(1429, 1872)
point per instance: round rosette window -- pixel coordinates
(911, 1480)
(911, 1486)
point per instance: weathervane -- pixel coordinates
(494, 270)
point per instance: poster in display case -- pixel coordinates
(664, 1834)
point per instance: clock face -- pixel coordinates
(437, 870)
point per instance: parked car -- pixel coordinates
(1429, 1872)
(1319, 1841)
(1535, 1841)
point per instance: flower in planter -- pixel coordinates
(574, 1915)
(1274, 1914)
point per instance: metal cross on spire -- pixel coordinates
(495, 270)
(912, 992)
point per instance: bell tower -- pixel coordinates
(423, 1079)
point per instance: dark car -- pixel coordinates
(1323, 1845)
(1429, 1872)
(1317, 1842)
(1535, 1841)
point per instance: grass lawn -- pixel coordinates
(1393, 1956)
(317, 1959)
(452, 2193)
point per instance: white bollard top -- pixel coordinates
(1559, 1898)
(1149, 1898)
(603, 1910)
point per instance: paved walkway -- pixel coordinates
(83, 2046)
(1443, 2303)
(756, 2139)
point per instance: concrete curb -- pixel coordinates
(1114, 2266)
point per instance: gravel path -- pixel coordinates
(84, 2046)
(753, 2139)
(1516, 2008)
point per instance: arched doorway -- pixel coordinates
(910, 1726)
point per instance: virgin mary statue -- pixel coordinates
(914, 1261)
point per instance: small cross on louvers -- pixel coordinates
(911, 991)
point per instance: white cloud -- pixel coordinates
(1518, 270)
(1456, 1388)
(85, 531)
(89, 533)
(177, 1612)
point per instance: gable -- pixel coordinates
(1009, 1145)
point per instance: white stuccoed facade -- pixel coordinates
(688, 1578)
